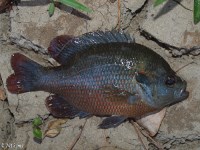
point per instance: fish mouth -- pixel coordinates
(184, 94)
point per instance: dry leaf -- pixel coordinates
(56, 123)
(54, 127)
(152, 122)
(2, 94)
(52, 132)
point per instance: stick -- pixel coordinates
(78, 137)
(139, 135)
(145, 133)
(119, 14)
(26, 142)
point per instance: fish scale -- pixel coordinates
(83, 82)
(101, 73)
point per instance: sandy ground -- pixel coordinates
(180, 127)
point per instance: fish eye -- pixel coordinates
(170, 81)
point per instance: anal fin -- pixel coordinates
(112, 122)
(59, 107)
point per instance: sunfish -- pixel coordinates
(101, 73)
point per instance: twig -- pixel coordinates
(157, 144)
(145, 133)
(26, 142)
(184, 66)
(17, 108)
(119, 13)
(182, 5)
(139, 135)
(78, 136)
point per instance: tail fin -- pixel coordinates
(26, 74)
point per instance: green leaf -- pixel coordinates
(158, 2)
(76, 5)
(196, 11)
(37, 133)
(37, 121)
(51, 9)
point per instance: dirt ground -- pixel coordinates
(19, 32)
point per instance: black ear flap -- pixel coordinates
(142, 78)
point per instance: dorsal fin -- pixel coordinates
(57, 44)
(64, 52)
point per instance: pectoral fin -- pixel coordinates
(59, 107)
(116, 94)
(132, 99)
(112, 122)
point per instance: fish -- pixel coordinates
(106, 74)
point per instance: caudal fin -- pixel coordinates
(26, 74)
